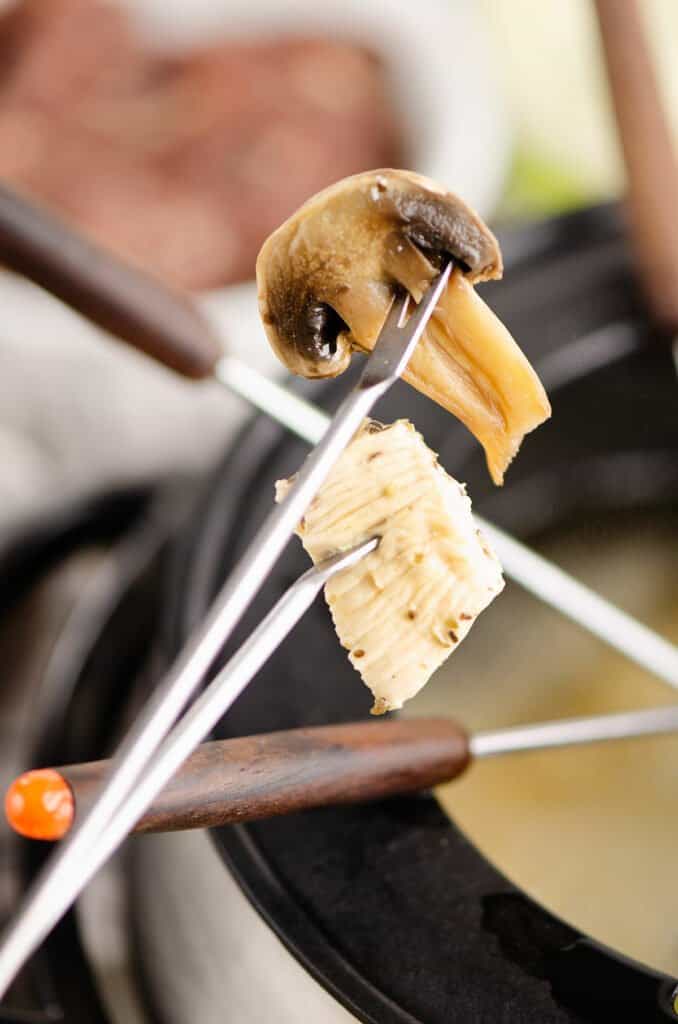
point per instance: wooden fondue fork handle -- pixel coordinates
(651, 167)
(262, 776)
(119, 298)
(258, 776)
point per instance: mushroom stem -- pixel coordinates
(468, 362)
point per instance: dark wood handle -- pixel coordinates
(125, 301)
(281, 772)
(651, 166)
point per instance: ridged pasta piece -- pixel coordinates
(406, 606)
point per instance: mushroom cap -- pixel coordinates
(326, 276)
(326, 280)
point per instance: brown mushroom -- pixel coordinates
(326, 279)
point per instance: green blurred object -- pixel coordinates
(538, 186)
(549, 66)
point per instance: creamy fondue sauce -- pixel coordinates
(591, 832)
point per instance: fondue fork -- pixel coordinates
(101, 831)
(253, 777)
(167, 326)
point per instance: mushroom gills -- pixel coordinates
(406, 606)
(326, 279)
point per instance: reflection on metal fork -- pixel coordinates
(74, 863)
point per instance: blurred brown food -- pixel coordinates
(181, 163)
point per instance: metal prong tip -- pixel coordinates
(39, 805)
(329, 567)
(345, 559)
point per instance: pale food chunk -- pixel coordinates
(406, 606)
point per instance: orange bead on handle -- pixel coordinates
(40, 805)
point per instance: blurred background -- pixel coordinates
(564, 148)
(179, 133)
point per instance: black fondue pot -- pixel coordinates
(388, 905)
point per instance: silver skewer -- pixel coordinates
(538, 575)
(73, 864)
(575, 731)
(584, 606)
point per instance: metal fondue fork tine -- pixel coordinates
(69, 868)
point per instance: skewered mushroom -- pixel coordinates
(407, 605)
(326, 279)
